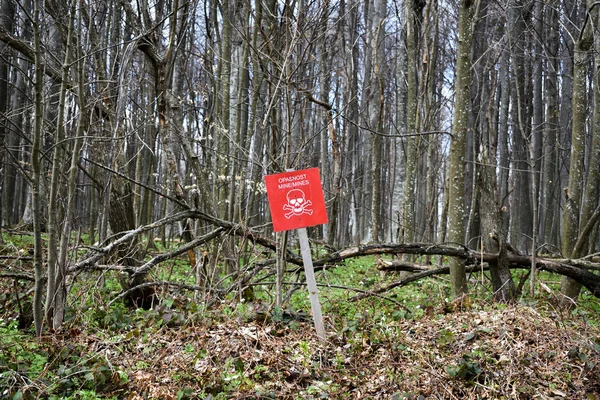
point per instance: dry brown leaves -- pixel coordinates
(514, 353)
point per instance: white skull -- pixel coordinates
(296, 200)
(297, 203)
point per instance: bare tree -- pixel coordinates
(456, 214)
(573, 234)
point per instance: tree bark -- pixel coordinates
(491, 227)
(408, 223)
(56, 291)
(549, 186)
(36, 160)
(456, 207)
(377, 117)
(7, 16)
(520, 211)
(574, 192)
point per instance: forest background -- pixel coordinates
(135, 132)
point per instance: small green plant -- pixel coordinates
(116, 317)
(445, 337)
(233, 374)
(185, 394)
(20, 354)
(466, 368)
(83, 395)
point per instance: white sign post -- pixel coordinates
(296, 201)
(311, 282)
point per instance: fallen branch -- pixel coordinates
(384, 265)
(575, 269)
(153, 284)
(395, 248)
(17, 276)
(144, 269)
(473, 260)
(100, 252)
(17, 258)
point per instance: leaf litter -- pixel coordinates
(512, 353)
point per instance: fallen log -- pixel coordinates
(578, 270)
(570, 268)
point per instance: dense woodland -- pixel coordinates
(457, 144)
(127, 124)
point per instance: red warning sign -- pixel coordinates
(296, 199)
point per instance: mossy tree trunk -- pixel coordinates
(575, 202)
(456, 207)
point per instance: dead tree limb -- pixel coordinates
(144, 269)
(17, 276)
(571, 268)
(98, 253)
(575, 269)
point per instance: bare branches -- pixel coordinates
(17, 276)
(99, 253)
(473, 260)
(182, 249)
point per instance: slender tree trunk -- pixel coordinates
(456, 207)
(7, 16)
(353, 117)
(379, 97)
(17, 126)
(57, 286)
(36, 164)
(413, 19)
(569, 20)
(520, 212)
(592, 190)
(574, 192)
(550, 182)
(503, 149)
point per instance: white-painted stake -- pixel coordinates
(311, 282)
(296, 201)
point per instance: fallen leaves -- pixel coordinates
(511, 353)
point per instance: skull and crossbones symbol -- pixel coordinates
(297, 203)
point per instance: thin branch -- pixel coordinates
(124, 238)
(147, 187)
(17, 276)
(144, 269)
(151, 284)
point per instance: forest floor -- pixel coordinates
(511, 352)
(412, 344)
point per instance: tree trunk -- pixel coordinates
(593, 179)
(491, 220)
(550, 175)
(7, 16)
(520, 211)
(456, 207)
(413, 19)
(56, 291)
(377, 115)
(17, 124)
(574, 192)
(36, 164)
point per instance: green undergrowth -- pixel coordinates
(62, 366)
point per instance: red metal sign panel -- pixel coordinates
(296, 199)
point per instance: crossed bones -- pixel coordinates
(297, 203)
